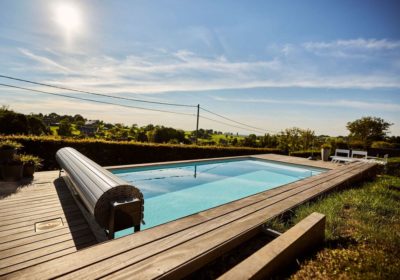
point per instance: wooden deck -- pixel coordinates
(26, 205)
(299, 161)
(175, 249)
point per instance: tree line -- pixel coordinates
(363, 133)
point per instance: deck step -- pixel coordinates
(304, 236)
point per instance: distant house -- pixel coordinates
(89, 128)
(50, 122)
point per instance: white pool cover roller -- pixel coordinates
(100, 190)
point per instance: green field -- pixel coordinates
(54, 130)
(216, 137)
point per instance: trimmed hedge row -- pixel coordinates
(393, 167)
(381, 152)
(107, 153)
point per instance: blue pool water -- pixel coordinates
(178, 190)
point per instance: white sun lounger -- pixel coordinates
(359, 155)
(382, 161)
(341, 155)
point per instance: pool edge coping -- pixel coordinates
(270, 157)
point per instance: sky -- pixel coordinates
(270, 64)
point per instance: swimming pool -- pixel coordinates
(174, 191)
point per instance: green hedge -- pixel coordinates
(393, 166)
(107, 153)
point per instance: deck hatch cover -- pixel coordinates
(48, 225)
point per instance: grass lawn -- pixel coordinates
(54, 130)
(75, 131)
(362, 233)
(217, 137)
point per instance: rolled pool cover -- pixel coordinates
(97, 187)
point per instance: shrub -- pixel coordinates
(326, 146)
(382, 145)
(356, 144)
(8, 144)
(337, 143)
(15, 160)
(31, 160)
(295, 139)
(393, 166)
(108, 153)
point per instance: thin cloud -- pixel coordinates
(45, 61)
(334, 103)
(183, 70)
(366, 44)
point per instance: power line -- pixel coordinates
(230, 125)
(247, 125)
(97, 101)
(97, 94)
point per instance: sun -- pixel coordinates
(68, 17)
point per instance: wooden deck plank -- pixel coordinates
(40, 237)
(44, 199)
(20, 217)
(42, 195)
(28, 233)
(32, 255)
(36, 219)
(33, 203)
(31, 227)
(297, 160)
(48, 257)
(36, 210)
(24, 207)
(110, 249)
(28, 263)
(38, 244)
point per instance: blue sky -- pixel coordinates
(272, 64)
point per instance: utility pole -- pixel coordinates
(197, 123)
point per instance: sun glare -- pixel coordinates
(68, 17)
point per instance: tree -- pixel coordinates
(368, 129)
(65, 128)
(222, 142)
(295, 139)
(269, 141)
(133, 131)
(162, 134)
(36, 126)
(79, 118)
(13, 123)
(141, 136)
(79, 124)
(307, 139)
(234, 141)
(250, 141)
(119, 132)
